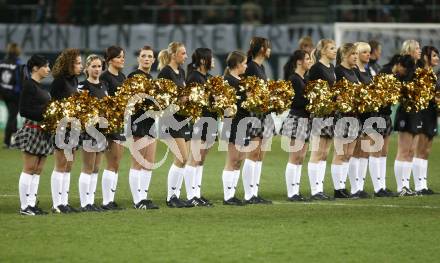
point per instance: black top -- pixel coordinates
(64, 87)
(197, 77)
(241, 95)
(33, 100)
(373, 67)
(253, 69)
(168, 73)
(138, 71)
(320, 71)
(98, 90)
(299, 101)
(363, 76)
(349, 74)
(111, 81)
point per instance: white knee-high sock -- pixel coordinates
(174, 175)
(84, 187)
(321, 175)
(114, 186)
(248, 175)
(383, 172)
(107, 184)
(344, 174)
(257, 176)
(337, 174)
(198, 181)
(56, 185)
(362, 172)
(399, 168)
(190, 181)
(353, 174)
(92, 189)
(134, 181)
(145, 179)
(34, 190)
(375, 172)
(407, 173)
(313, 170)
(228, 184)
(24, 186)
(419, 169)
(236, 178)
(293, 178)
(66, 189)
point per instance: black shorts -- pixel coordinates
(235, 134)
(166, 131)
(429, 121)
(68, 139)
(146, 127)
(385, 131)
(263, 126)
(410, 122)
(202, 129)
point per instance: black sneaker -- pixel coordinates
(254, 200)
(296, 198)
(37, 210)
(364, 195)
(425, 192)
(145, 204)
(71, 209)
(205, 202)
(406, 192)
(27, 211)
(341, 193)
(87, 208)
(381, 193)
(61, 209)
(111, 206)
(96, 208)
(390, 193)
(175, 202)
(193, 202)
(320, 197)
(263, 201)
(233, 201)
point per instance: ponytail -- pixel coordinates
(227, 71)
(164, 59)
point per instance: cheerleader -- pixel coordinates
(35, 144)
(297, 124)
(259, 51)
(358, 163)
(346, 62)
(91, 159)
(375, 54)
(112, 78)
(67, 67)
(170, 66)
(377, 162)
(323, 69)
(407, 124)
(236, 66)
(197, 71)
(429, 59)
(140, 173)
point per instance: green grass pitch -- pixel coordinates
(373, 230)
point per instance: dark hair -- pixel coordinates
(200, 54)
(407, 61)
(64, 63)
(112, 52)
(426, 51)
(143, 48)
(374, 44)
(233, 60)
(36, 61)
(13, 51)
(290, 65)
(255, 46)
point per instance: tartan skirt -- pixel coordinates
(296, 127)
(32, 139)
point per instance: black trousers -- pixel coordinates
(11, 100)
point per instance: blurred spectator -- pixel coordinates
(306, 43)
(252, 13)
(375, 54)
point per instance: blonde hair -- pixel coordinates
(408, 46)
(89, 61)
(322, 44)
(306, 40)
(165, 54)
(362, 46)
(345, 50)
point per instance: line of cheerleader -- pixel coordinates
(416, 128)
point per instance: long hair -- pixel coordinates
(408, 46)
(233, 60)
(343, 51)
(426, 51)
(290, 65)
(255, 46)
(165, 54)
(64, 63)
(322, 45)
(200, 55)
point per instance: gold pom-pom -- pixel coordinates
(281, 95)
(347, 95)
(193, 98)
(223, 96)
(321, 99)
(257, 94)
(417, 94)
